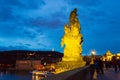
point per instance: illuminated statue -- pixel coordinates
(72, 39)
(72, 44)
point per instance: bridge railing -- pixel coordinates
(83, 73)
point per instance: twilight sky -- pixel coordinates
(39, 24)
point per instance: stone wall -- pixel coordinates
(83, 73)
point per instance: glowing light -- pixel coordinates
(53, 50)
(93, 52)
(108, 56)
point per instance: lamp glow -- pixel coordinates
(93, 52)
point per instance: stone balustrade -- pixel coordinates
(83, 73)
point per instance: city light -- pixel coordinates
(93, 52)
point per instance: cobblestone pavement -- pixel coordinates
(109, 74)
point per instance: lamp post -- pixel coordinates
(92, 56)
(93, 53)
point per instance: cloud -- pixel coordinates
(44, 22)
(7, 3)
(27, 4)
(60, 15)
(42, 45)
(6, 14)
(85, 2)
(2, 48)
(39, 24)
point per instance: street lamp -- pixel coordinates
(93, 52)
(92, 56)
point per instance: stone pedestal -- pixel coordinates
(77, 58)
(68, 65)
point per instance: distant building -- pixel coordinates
(108, 56)
(118, 55)
(27, 60)
(27, 64)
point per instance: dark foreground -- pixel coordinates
(109, 74)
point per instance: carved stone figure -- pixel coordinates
(72, 39)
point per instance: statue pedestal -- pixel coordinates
(69, 63)
(76, 58)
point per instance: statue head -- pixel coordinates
(73, 13)
(73, 16)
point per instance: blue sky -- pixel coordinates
(39, 24)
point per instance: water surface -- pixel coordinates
(18, 76)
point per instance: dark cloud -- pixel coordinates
(9, 3)
(27, 4)
(16, 26)
(7, 31)
(25, 44)
(13, 9)
(33, 24)
(15, 31)
(19, 47)
(29, 34)
(85, 2)
(28, 45)
(43, 22)
(42, 45)
(32, 4)
(6, 14)
(2, 48)
(59, 15)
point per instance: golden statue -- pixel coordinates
(72, 39)
(72, 44)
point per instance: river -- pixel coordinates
(7, 75)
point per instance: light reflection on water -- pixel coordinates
(37, 77)
(19, 76)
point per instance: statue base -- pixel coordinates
(68, 65)
(76, 58)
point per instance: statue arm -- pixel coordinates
(81, 40)
(62, 43)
